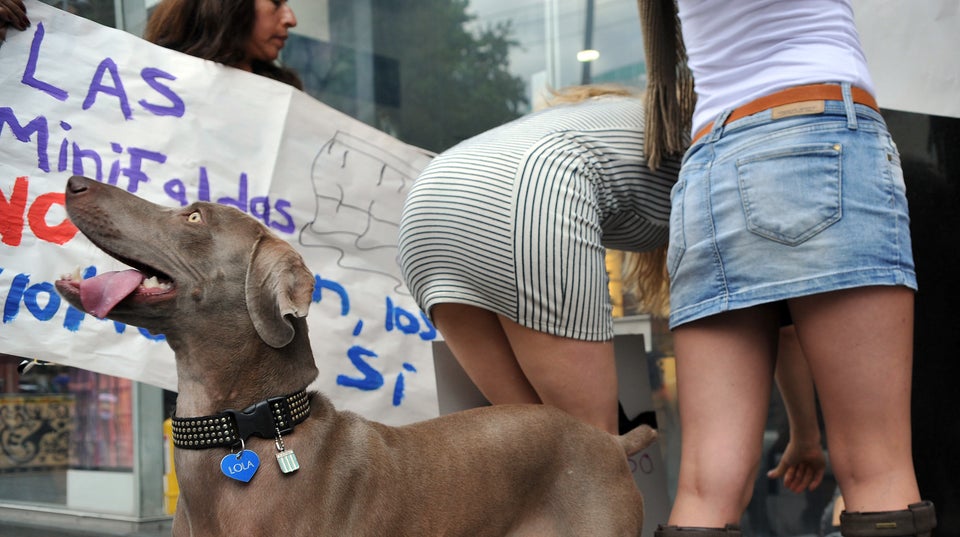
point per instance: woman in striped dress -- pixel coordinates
(502, 243)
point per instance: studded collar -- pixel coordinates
(267, 419)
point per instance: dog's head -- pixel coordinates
(201, 262)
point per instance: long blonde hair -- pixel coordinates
(644, 273)
(575, 94)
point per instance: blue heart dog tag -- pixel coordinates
(240, 466)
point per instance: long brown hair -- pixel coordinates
(644, 273)
(215, 30)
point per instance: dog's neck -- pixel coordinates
(220, 373)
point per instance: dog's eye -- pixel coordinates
(195, 217)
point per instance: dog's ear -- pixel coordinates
(278, 284)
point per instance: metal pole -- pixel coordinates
(587, 43)
(551, 17)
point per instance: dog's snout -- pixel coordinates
(78, 184)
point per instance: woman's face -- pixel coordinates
(273, 19)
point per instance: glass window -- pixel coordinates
(101, 11)
(434, 72)
(56, 423)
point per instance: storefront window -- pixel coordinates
(57, 422)
(435, 72)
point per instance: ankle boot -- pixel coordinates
(917, 519)
(730, 530)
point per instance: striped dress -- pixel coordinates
(516, 219)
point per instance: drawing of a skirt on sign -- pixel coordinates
(359, 191)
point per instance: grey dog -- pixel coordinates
(231, 299)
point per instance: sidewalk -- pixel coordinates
(38, 488)
(156, 529)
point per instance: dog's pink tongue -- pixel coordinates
(101, 293)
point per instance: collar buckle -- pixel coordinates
(263, 419)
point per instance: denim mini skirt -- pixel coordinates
(770, 209)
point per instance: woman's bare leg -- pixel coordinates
(859, 343)
(577, 376)
(477, 340)
(725, 369)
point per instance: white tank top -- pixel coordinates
(739, 50)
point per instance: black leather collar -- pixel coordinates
(266, 419)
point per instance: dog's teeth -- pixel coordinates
(74, 276)
(153, 283)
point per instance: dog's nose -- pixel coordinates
(77, 184)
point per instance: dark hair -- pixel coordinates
(216, 30)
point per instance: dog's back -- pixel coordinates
(495, 471)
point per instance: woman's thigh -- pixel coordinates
(859, 344)
(724, 375)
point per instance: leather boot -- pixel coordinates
(917, 519)
(730, 530)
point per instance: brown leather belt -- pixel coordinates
(798, 100)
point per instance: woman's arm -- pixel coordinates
(803, 462)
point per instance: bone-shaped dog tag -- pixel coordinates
(287, 460)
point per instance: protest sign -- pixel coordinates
(80, 98)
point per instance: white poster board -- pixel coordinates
(80, 98)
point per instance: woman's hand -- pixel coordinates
(801, 467)
(12, 13)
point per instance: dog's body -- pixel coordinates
(232, 305)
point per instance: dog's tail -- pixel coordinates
(638, 439)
